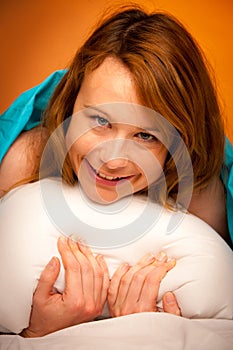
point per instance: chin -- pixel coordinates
(100, 196)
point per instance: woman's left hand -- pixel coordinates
(135, 289)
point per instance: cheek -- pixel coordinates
(162, 155)
(76, 152)
(158, 166)
(81, 148)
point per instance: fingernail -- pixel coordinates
(161, 256)
(172, 262)
(125, 267)
(52, 263)
(62, 240)
(72, 242)
(169, 298)
(149, 257)
(74, 237)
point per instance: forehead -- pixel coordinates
(110, 82)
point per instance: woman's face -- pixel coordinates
(113, 146)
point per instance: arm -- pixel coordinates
(22, 159)
(209, 205)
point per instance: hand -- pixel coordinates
(86, 284)
(135, 289)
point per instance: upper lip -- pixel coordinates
(108, 176)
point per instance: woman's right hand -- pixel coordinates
(86, 285)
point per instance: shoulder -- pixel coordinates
(22, 159)
(209, 205)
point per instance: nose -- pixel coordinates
(114, 154)
(116, 163)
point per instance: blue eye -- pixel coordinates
(144, 136)
(102, 121)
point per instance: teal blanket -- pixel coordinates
(26, 112)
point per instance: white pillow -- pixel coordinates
(33, 216)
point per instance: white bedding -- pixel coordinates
(157, 331)
(202, 279)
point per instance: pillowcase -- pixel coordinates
(33, 216)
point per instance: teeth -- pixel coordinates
(107, 177)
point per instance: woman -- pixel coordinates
(143, 59)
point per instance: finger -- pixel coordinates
(150, 289)
(120, 284)
(137, 272)
(99, 270)
(101, 298)
(168, 263)
(47, 279)
(73, 279)
(136, 285)
(160, 259)
(170, 304)
(115, 283)
(127, 278)
(144, 261)
(147, 260)
(86, 250)
(152, 275)
(84, 257)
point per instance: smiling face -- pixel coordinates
(113, 146)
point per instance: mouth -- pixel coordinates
(106, 179)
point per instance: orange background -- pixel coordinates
(38, 37)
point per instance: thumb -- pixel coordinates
(48, 278)
(170, 304)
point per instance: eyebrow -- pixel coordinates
(95, 108)
(151, 129)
